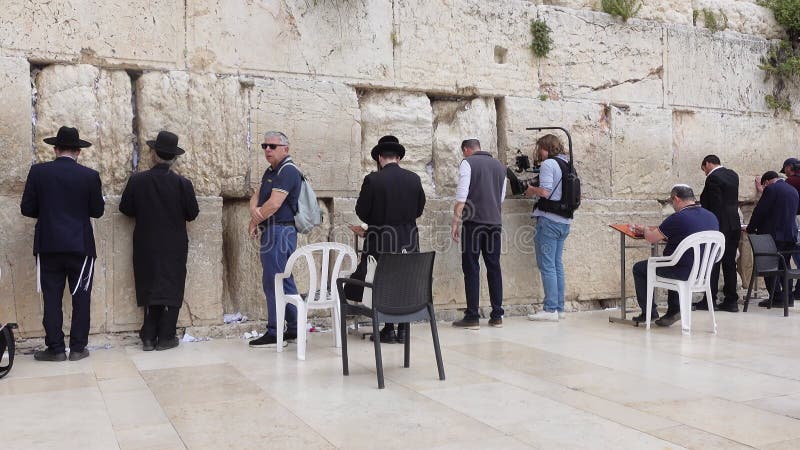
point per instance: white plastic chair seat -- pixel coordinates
(708, 247)
(321, 281)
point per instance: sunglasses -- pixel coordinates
(272, 146)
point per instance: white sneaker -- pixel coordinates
(562, 315)
(544, 316)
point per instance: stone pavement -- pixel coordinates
(579, 383)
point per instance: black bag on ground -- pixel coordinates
(6, 343)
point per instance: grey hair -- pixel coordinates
(281, 136)
(160, 160)
(682, 191)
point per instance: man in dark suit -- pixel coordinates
(63, 195)
(162, 202)
(774, 214)
(721, 196)
(390, 202)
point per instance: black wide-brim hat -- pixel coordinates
(385, 147)
(166, 142)
(67, 137)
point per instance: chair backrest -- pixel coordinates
(322, 276)
(707, 248)
(403, 282)
(763, 243)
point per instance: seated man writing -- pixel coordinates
(689, 218)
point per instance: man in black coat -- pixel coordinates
(390, 202)
(721, 196)
(774, 214)
(162, 202)
(63, 195)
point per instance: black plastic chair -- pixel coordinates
(768, 261)
(401, 293)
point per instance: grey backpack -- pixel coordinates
(308, 214)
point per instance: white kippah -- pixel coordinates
(681, 185)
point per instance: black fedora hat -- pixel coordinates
(386, 147)
(166, 142)
(67, 137)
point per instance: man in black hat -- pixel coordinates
(162, 202)
(62, 195)
(390, 202)
(774, 214)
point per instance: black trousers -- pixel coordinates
(477, 239)
(640, 283)
(782, 247)
(56, 270)
(728, 266)
(159, 323)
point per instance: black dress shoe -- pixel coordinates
(75, 355)
(49, 355)
(148, 345)
(778, 303)
(400, 337)
(387, 335)
(668, 319)
(700, 306)
(166, 344)
(642, 318)
(729, 307)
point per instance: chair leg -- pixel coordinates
(335, 313)
(343, 331)
(749, 291)
(650, 289)
(407, 344)
(436, 348)
(772, 291)
(302, 333)
(711, 310)
(685, 302)
(378, 359)
(280, 318)
(785, 295)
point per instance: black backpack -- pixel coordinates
(570, 192)
(6, 342)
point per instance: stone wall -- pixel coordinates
(644, 101)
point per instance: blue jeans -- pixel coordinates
(549, 240)
(278, 242)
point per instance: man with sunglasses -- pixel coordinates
(272, 210)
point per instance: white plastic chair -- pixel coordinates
(322, 292)
(708, 247)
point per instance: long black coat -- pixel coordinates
(721, 196)
(390, 202)
(162, 202)
(63, 195)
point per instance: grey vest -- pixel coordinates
(485, 186)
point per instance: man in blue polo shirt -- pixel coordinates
(689, 218)
(272, 210)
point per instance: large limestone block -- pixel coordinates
(409, 117)
(207, 113)
(453, 122)
(718, 71)
(323, 123)
(23, 304)
(587, 123)
(352, 39)
(592, 249)
(641, 140)
(98, 103)
(204, 278)
(750, 145)
(113, 31)
(15, 124)
(243, 270)
(742, 16)
(674, 11)
(597, 57)
(466, 46)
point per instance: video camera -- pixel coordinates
(529, 175)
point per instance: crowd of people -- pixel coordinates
(63, 195)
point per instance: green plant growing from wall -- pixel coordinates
(714, 23)
(542, 43)
(622, 8)
(782, 61)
